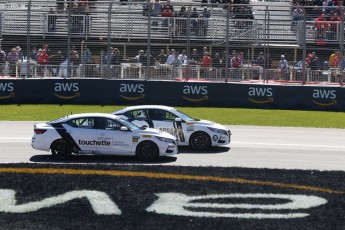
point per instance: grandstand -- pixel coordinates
(26, 24)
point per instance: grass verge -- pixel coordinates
(228, 116)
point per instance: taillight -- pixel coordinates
(40, 131)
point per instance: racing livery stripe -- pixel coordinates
(66, 136)
(167, 176)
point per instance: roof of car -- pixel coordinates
(81, 115)
(144, 107)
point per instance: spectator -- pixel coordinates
(341, 67)
(260, 60)
(157, 9)
(176, 66)
(235, 65)
(146, 6)
(55, 61)
(334, 60)
(116, 62)
(162, 57)
(183, 57)
(167, 12)
(321, 26)
(86, 61)
(182, 23)
(194, 21)
(42, 60)
(51, 21)
(34, 54)
(205, 15)
(297, 15)
(60, 6)
(283, 68)
(171, 57)
(194, 62)
(2, 61)
(312, 61)
(206, 64)
(335, 21)
(218, 65)
(75, 61)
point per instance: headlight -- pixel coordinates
(220, 131)
(164, 139)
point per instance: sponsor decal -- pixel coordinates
(195, 93)
(324, 97)
(66, 91)
(67, 97)
(260, 95)
(141, 96)
(132, 92)
(135, 139)
(287, 206)
(7, 96)
(269, 100)
(281, 206)
(95, 142)
(6, 90)
(147, 136)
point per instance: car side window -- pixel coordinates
(161, 115)
(113, 125)
(137, 114)
(85, 123)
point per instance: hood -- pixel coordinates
(209, 123)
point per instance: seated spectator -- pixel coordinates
(162, 57)
(321, 26)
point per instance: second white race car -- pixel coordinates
(198, 134)
(98, 133)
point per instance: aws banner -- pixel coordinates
(128, 92)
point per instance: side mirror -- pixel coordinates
(124, 128)
(177, 119)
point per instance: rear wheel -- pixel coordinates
(200, 141)
(147, 151)
(61, 150)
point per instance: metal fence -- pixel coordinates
(107, 39)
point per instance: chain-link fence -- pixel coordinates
(220, 41)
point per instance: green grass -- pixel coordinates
(228, 116)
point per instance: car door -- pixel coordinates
(168, 122)
(83, 132)
(112, 139)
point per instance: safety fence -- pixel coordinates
(269, 27)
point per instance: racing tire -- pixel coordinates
(200, 141)
(61, 150)
(147, 151)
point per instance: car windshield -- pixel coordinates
(184, 116)
(128, 124)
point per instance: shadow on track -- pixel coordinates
(92, 159)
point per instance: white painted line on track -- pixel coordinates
(287, 145)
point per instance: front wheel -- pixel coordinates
(200, 141)
(61, 150)
(147, 151)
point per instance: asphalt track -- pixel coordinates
(252, 147)
(268, 178)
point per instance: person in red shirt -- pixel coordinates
(335, 22)
(42, 60)
(206, 64)
(321, 26)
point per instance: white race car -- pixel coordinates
(102, 134)
(198, 134)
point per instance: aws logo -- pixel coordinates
(262, 95)
(66, 91)
(6, 90)
(195, 93)
(324, 97)
(132, 91)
